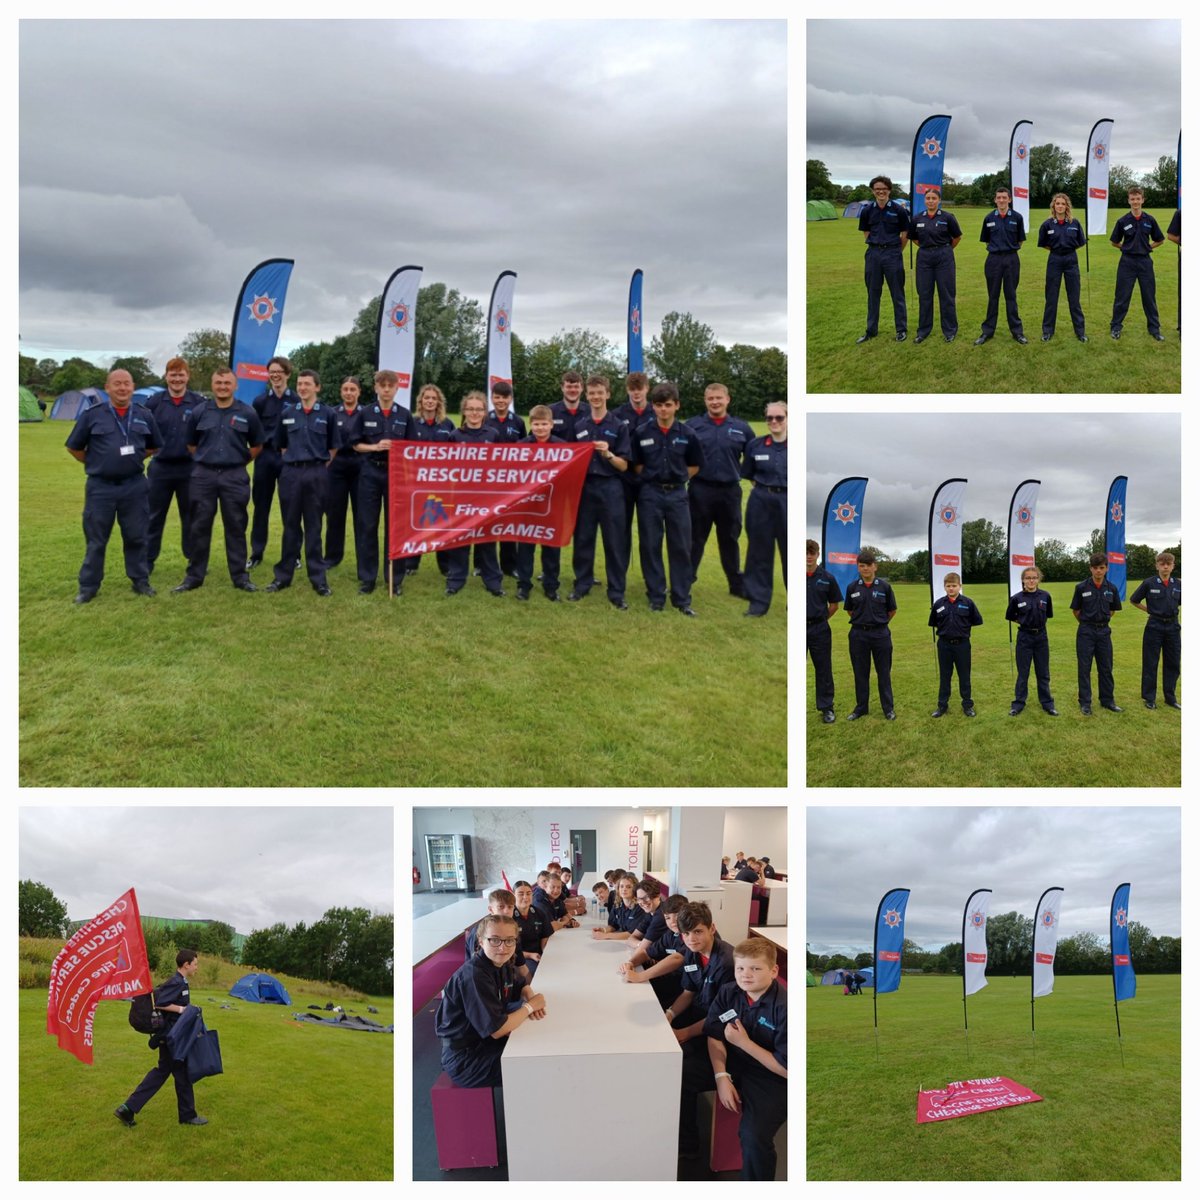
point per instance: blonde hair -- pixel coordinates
(441, 400)
(1060, 196)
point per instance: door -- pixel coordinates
(583, 852)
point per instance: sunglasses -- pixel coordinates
(776, 420)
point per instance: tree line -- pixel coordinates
(1009, 943)
(1051, 170)
(451, 351)
(985, 558)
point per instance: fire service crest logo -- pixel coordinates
(846, 513)
(263, 309)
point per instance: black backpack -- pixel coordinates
(144, 1017)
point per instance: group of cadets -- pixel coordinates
(871, 605)
(888, 227)
(723, 1002)
(681, 479)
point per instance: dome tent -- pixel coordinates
(835, 976)
(261, 989)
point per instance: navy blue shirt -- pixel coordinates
(622, 919)
(1162, 600)
(511, 429)
(706, 979)
(823, 591)
(869, 606)
(1062, 238)
(531, 439)
(884, 226)
(349, 431)
(654, 927)
(1134, 234)
(377, 425)
(669, 943)
(1174, 228)
(1003, 234)
(1030, 610)
(223, 436)
(724, 443)
(766, 462)
(747, 875)
(115, 446)
(1095, 603)
(535, 927)
(565, 420)
(954, 618)
(665, 457)
(629, 416)
(608, 429)
(431, 431)
(269, 408)
(170, 419)
(482, 434)
(765, 1021)
(934, 232)
(307, 436)
(173, 991)
(477, 1000)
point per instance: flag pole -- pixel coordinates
(1113, 969)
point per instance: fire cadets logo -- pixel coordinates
(263, 309)
(635, 321)
(1099, 150)
(398, 316)
(948, 515)
(891, 918)
(1121, 917)
(1022, 150)
(1024, 515)
(846, 513)
(977, 919)
(1048, 919)
(501, 321)
(931, 147)
(1117, 512)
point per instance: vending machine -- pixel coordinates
(450, 865)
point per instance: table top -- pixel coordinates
(590, 1009)
(773, 933)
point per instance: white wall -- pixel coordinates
(619, 840)
(437, 820)
(758, 831)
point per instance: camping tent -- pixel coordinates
(836, 976)
(855, 207)
(821, 210)
(812, 980)
(142, 395)
(70, 404)
(28, 405)
(261, 989)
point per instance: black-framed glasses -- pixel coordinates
(496, 942)
(776, 420)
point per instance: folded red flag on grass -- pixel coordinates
(971, 1096)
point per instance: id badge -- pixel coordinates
(126, 449)
(729, 1015)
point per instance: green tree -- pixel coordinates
(1049, 172)
(40, 913)
(26, 370)
(1120, 180)
(1161, 184)
(77, 373)
(1008, 941)
(818, 185)
(450, 347)
(204, 351)
(679, 354)
(44, 373)
(138, 367)
(1055, 558)
(984, 551)
(1139, 561)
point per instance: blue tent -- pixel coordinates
(261, 989)
(835, 977)
(70, 404)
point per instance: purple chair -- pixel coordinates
(464, 1123)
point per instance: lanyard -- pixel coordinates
(128, 421)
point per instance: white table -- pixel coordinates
(598, 1030)
(773, 933)
(432, 931)
(777, 901)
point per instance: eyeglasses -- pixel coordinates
(776, 420)
(496, 942)
(643, 900)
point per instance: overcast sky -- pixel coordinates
(855, 855)
(161, 160)
(872, 83)
(1076, 457)
(249, 867)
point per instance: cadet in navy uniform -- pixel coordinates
(824, 596)
(1003, 231)
(707, 967)
(569, 410)
(666, 456)
(170, 470)
(383, 423)
(112, 440)
(1160, 597)
(715, 493)
(1136, 235)
(170, 998)
(1031, 608)
(541, 422)
(535, 927)
(223, 435)
(1174, 234)
(509, 428)
(936, 234)
(953, 616)
(482, 1003)
(746, 1029)
(344, 474)
(870, 605)
(308, 441)
(1094, 601)
(634, 412)
(1062, 235)
(602, 501)
(885, 225)
(268, 465)
(765, 465)
(474, 429)
(430, 424)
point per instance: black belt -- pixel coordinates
(305, 462)
(458, 1043)
(1031, 629)
(1164, 620)
(666, 487)
(714, 483)
(997, 252)
(222, 466)
(818, 620)
(118, 478)
(952, 641)
(767, 487)
(883, 245)
(1096, 624)
(866, 628)
(174, 462)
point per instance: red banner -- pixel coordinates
(969, 1097)
(448, 494)
(104, 960)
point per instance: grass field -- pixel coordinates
(837, 311)
(992, 750)
(295, 1102)
(220, 688)
(1098, 1120)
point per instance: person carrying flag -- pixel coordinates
(1061, 234)
(936, 233)
(1159, 597)
(1137, 236)
(1003, 231)
(885, 226)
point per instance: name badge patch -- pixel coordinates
(691, 967)
(729, 1015)
(126, 449)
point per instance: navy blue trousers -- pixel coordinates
(551, 564)
(1033, 648)
(1094, 642)
(1062, 269)
(372, 501)
(167, 1068)
(764, 1110)
(459, 560)
(820, 650)
(303, 494)
(718, 504)
(954, 657)
(867, 646)
(167, 482)
(1160, 638)
(665, 512)
(601, 508)
(228, 488)
(267, 467)
(1002, 271)
(1130, 270)
(766, 528)
(935, 269)
(106, 500)
(344, 474)
(885, 263)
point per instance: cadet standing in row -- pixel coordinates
(870, 605)
(1136, 235)
(269, 464)
(824, 596)
(1062, 235)
(1160, 597)
(953, 616)
(765, 465)
(936, 233)
(170, 470)
(1093, 604)
(885, 225)
(1031, 608)
(1003, 231)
